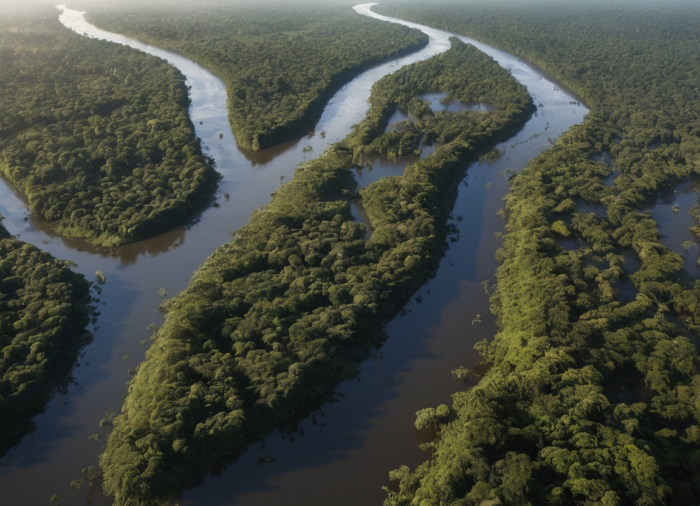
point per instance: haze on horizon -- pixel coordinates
(25, 5)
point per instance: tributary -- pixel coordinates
(342, 453)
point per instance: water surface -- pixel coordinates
(342, 453)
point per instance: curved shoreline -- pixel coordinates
(136, 267)
(297, 126)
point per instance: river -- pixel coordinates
(341, 453)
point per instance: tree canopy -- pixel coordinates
(593, 387)
(45, 309)
(96, 135)
(281, 62)
(274, 319)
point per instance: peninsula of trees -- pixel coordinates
(45, 309)
(593, 391)
(274, 319)
(96, 135)
(281, 62)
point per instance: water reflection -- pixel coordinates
(360, 216)
(126, 255)
(341, 453)
(671, 212)
(59, 448)
(379, 166)
(439, 102)
(265, 156)
(370, 430)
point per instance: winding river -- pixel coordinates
(341, 453)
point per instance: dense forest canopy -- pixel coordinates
(593, 393)
(274, 319)
(45, 309)
(281, 62)
(96, 135)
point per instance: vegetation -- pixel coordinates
(274, 319)
(592, 394)
(281, 62)
(451, 73)
(44, 311)
(96, 135)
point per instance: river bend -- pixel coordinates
(341, 453)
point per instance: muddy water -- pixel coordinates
(341, 454)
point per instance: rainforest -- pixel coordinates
(280, 64)
(324, 253)
(96, 136)
(46, 309)
(550, 422)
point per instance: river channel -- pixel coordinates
(341, 453)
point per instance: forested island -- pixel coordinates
(592, 395)
(45, 309)
(96, 135)
(588, 394)
(281, 62)
(273, 320)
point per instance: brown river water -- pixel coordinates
(341, 453)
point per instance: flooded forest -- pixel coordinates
(320, 253)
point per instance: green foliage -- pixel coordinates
(426, 419)
(592, 398)
(281, 63)
(274, 319)
(463, 73)
(96, 135)
(44, 311)
(461, 373)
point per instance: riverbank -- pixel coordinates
(280, 65)
(361, 436)
(96, 136)
(45, 312)
(588, 394)
(277, 317)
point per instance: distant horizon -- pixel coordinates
(175, 4)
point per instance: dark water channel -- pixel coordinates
(340, 454)
(670, 210)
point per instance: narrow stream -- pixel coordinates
(342, 453)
